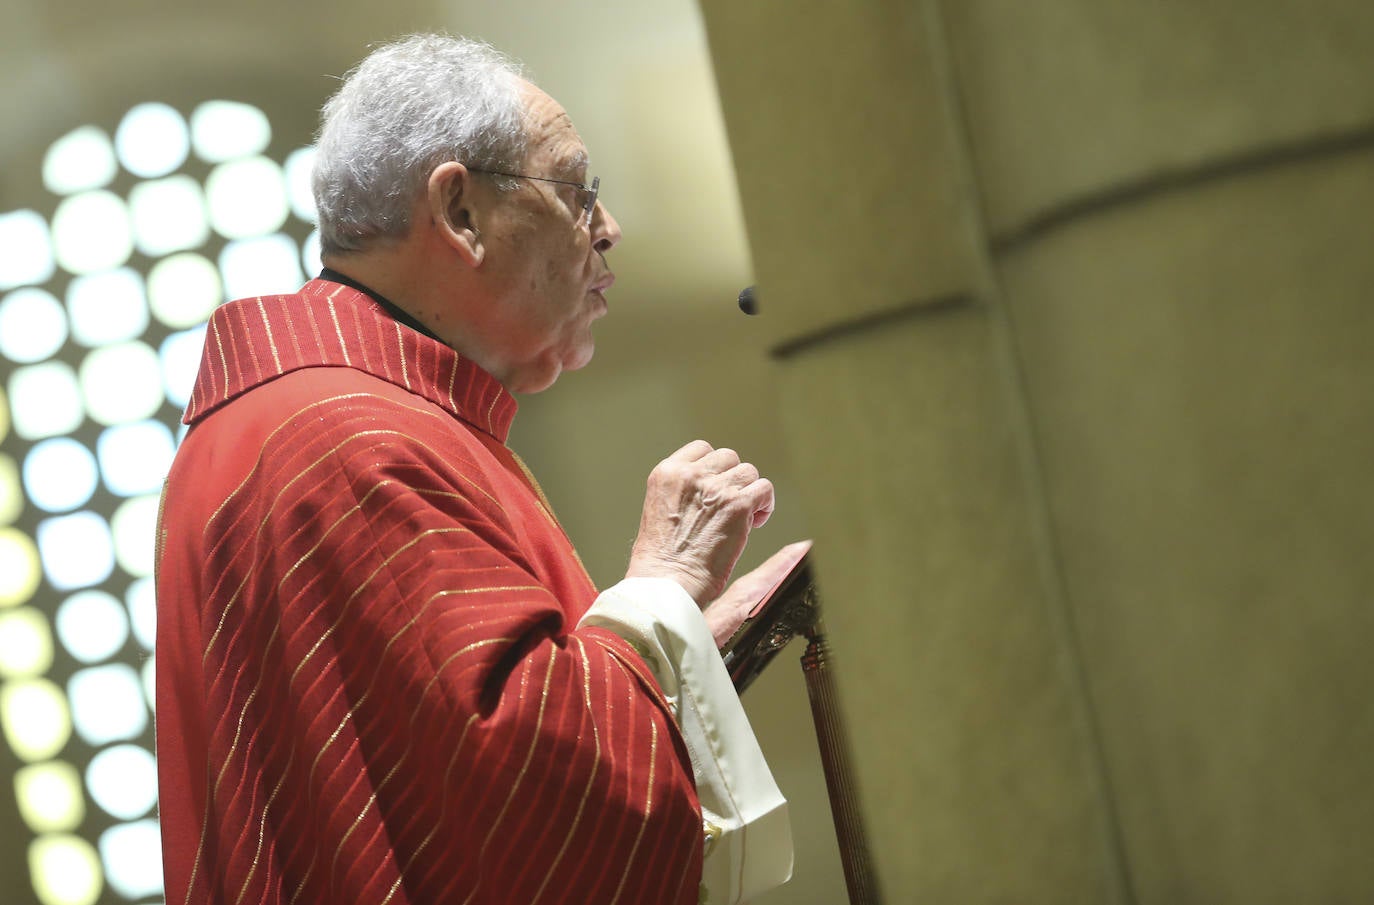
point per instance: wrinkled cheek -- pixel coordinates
(551, 272)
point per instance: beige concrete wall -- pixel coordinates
(1072, 311)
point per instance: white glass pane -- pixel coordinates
(134, 458)
(11, 490)
(91, 232)
(107, 307)
(246, 197)
(27, 257)
(19, 567)
(134, 525)
(300, 168)
(77, 550)
(33, 325)
(310, 254)
(141, 599)
(168, 215)
(33, 713)
(180, 354)
(59, 474)
(123, 781)
(266, 266)
(92, 626)
(122, 383)
(224, 130)
(50, 797)
(65, 870)
(107, 704)
(132, 854)
(25, 643)
(152, 140)
(183, 289)
(45, 400)
(81, 160)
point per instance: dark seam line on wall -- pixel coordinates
(875, 321)
(1066, 214)
(1057, 604)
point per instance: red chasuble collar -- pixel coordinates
(252, 341)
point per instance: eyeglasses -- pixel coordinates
(591, 191)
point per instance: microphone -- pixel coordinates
(748, 300)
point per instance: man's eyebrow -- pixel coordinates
(578, 160)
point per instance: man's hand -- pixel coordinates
(727, 612)
(699, 508)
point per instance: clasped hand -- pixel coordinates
(700, 505)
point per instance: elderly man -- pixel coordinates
(383, 674)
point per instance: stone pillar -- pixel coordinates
(1072, 321)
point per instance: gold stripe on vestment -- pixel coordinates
(292, 333)
(339, 728)
(219, 626)
(213, 793)
(547, 508)
(443, 807)
(312, 318)
(357, 705)
(410, 738)
(271, 340)
(529, 756)
(452, 379)
(268, 439)
(338, 331)
(596, 764)
(223, 359)
(401, 347)
(200, 850)
(495, 398)
(262, 825)
(252, 347)
(324, 636)
(356, 507)
(648, 810)
(271, 512)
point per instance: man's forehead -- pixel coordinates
(552, 129)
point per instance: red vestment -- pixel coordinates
(370, 688)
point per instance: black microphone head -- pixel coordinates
(748, 301)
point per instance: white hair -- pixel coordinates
(408, 107)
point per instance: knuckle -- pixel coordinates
(666, 471)
(738, 503)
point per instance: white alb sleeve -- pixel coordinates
(748, 838)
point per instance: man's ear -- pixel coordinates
(451, 201)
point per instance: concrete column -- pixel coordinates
(1071, 313)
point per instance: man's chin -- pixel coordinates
(581, 358)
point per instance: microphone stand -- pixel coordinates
(792, 609)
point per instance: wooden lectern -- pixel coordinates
(793, 608)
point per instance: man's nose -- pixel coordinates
(605, 230)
